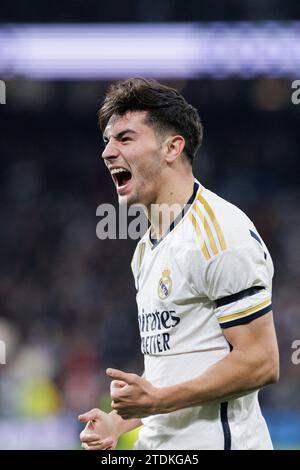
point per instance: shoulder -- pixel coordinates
(226, 224)
(218, 225)
(234, 257)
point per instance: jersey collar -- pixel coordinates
(153, 241)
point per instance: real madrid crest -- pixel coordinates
(165, 284)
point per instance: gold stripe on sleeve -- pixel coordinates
(200, 237)
(207, 230)
(214, 221)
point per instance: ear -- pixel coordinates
(173, 147)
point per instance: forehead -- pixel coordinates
(133, 120)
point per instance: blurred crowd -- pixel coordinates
(67, 298)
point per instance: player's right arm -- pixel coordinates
(103, 430)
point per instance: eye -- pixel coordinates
(125, 139)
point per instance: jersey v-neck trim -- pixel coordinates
(154, 242)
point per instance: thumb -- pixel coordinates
(89, 415)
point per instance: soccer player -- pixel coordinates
(203, 289)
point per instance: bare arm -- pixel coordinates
(252, 363)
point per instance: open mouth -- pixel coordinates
(121, 176)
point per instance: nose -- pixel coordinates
(110, 151)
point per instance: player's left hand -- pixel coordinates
(137, 399)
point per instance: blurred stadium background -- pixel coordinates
(67, 299)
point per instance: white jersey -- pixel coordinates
(210, 271)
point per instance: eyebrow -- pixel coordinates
(120, 134)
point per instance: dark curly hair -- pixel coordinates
(167, 110)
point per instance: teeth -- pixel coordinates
(117, 170)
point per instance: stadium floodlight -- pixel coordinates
(161, 50)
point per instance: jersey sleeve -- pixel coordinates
(239, 281)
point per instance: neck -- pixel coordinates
(171, 199)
